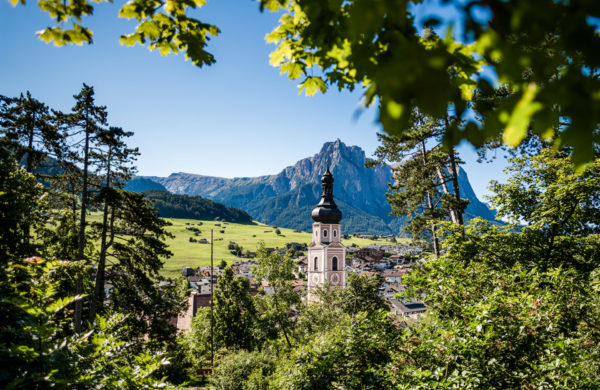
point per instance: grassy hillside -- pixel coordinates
(190, 254)
(186, 253)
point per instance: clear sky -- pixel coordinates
(239, 117)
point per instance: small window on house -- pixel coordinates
(316, 267)
(325, 233)
(334, 264)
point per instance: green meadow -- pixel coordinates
(191, 254)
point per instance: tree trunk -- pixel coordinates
(454, 173)
(454, 177)
(81, 243)
(436, 248)
(29, 168)
(98, 297)
(453, 213)
(29, 160)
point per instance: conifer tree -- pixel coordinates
(30, 124)
(29, 127)
(135, 251)
(86, 121)
(115, 159)
(423, 172)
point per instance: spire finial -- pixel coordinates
(327, 163)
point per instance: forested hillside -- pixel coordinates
(194, 207)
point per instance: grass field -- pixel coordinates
(186, 253)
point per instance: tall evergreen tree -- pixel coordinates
(115, 166)
(423, 172)
(135, 253)
(30, 124)
(87, 121)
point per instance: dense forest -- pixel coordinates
(194, 207)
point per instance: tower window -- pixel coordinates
(334, 264)
(316, 265)
(325, 233)
(335, 233)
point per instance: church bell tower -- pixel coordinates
(326, 254)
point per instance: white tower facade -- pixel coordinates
(326, 254)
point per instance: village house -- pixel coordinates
(368, 251)
(406, 310)
(393, 276)
(302, 262)
(391, 290)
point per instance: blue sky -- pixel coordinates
(239, 117)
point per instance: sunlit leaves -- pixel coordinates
(516, 128)
(171, 31)
(311, 85)
(553, 54)
(164, 26)
(77, 35)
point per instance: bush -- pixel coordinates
(244, 371)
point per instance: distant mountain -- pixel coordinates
(141, 184)
(286, 199)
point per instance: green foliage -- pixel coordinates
(194, 207)
(279, 308)
(31, 127)
(423, 173)
(513, 307)
(353, 353)
(543, 191)
(163, 26)
(243, 371)
(170, 31)
(234, 312)
(21, 206)
(39, 350)
(193, 347)
(548, 59)
(361, 294)
(136, 257)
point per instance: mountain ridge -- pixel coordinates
(286, 198)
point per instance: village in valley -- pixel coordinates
(318, 266)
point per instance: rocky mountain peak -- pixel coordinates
(285, 199)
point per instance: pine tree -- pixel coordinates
(115, 166)
(87, 120)
(135, 251)
(422, 174)
(30, 124)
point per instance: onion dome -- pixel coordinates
(327, 211)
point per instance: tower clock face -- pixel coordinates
(335, 278)
(315, 279)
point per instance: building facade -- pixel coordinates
(326, 254)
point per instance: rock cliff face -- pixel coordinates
(287, 198)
